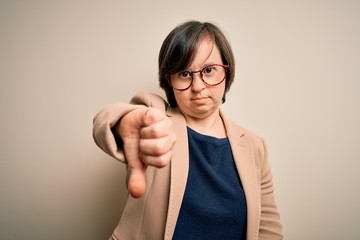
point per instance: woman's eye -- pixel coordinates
(209, 69)
(184, 74)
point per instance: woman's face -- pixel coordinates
(200, 101)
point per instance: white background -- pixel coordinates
(297, 84)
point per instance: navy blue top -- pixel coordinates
(214, 204)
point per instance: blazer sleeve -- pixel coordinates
(270, 225)
(110, 115)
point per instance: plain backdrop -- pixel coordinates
(297, 84)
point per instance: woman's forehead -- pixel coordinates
(207, 53)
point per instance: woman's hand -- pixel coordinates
(148, 141)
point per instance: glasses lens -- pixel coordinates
(213, 74)
(181, 80)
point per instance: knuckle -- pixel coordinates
(158, 148)
(164, 160)
(159, 161)
(152, 147)
(155, 129)
(151, 131)
(151, 115)
(173, 137)
(147, 118)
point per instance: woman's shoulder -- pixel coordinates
(242, 135)
(149, 99)
(234, 128)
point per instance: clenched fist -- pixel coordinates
(148, 141)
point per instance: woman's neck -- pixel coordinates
(212, 125)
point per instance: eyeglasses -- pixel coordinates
(211, 75)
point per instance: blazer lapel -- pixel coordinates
(245, 164)
(179, 171)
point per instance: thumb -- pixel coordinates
(136, 181)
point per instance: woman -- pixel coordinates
(192, 172)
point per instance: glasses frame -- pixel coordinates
(226, 67)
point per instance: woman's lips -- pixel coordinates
(199, 99)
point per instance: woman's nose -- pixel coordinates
(197, 83)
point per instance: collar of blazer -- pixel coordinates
(245, 164)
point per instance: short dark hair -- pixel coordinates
(179, 49)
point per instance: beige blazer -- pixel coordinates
(154, 215)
